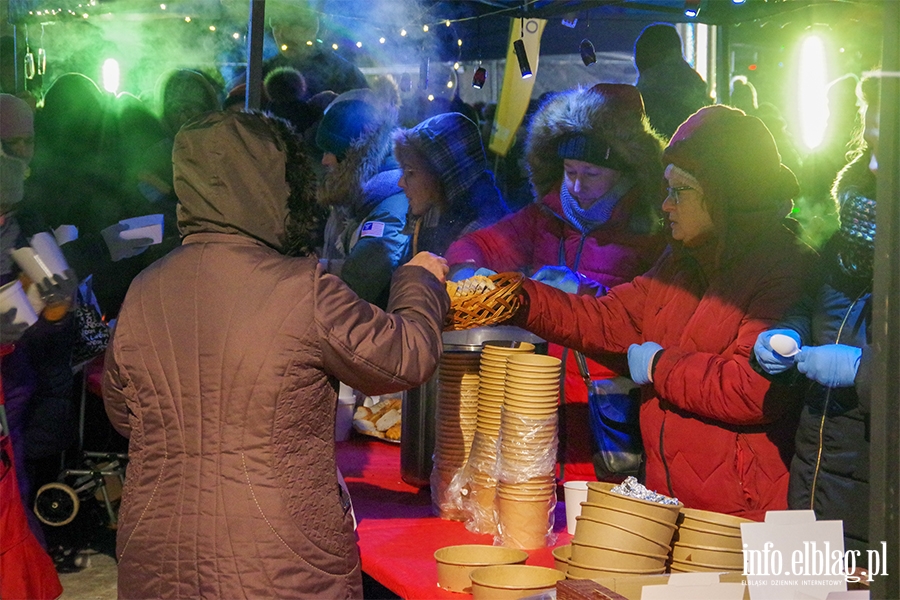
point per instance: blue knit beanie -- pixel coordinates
(344, 122)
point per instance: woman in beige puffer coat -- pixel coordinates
(222, 373)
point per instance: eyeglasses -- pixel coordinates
(674, 191)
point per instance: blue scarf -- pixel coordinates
(586, 220)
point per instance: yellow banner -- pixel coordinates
(516, 92)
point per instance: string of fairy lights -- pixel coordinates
(414, 33)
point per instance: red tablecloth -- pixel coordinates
(398, 534)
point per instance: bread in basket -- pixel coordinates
(480, 301)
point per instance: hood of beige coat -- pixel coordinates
(230, 177)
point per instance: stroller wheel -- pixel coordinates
(56, 504)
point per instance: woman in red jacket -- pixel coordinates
(718, 436)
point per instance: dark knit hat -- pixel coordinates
(619, 97)
(735, 159)
(344, 122)
(655, 44)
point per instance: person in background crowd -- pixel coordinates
(295, 30)
(596, 170)
(364, 239)
(238, 337)
(451, 192)
(37, 372)
(79, 178)
(671, 89)
(286, 89)
(830, 470)
(717, 435)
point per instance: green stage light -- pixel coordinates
(812, 93)
(111, 75)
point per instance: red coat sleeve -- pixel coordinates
(591, 325)
(507, 245)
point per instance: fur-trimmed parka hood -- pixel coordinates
(370, 154)
(597, 116)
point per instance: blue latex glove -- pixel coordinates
(466, 271)
(834, 365)
(640, 361)
(562, 278)
(770, 361)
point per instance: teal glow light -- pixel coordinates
(812, 92)
(111, 75)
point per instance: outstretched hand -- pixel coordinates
(562, 278)
(833, 365)
(771, 361)
(60, 289)
(120, 247)
(10, 331)
(434, 264)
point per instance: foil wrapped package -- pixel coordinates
(633, 489)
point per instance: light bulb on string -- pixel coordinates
(425, 28)
(359, 44)
(381, 40)
(403, 33)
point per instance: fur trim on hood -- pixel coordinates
(345, 184)
(589, 113)
(246, 173)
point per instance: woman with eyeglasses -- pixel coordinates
(717, 434)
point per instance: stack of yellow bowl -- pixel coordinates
(482, 466)
(618, 535)
(707, 541)
(526, 492)
(456, 414)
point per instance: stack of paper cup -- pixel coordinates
(618, 535)
(481, 471)
(707, 541)
(457, 409)
(528, 442)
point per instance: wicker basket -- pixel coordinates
(484, 306)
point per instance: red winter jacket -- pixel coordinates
(539, 235)
(718, 436)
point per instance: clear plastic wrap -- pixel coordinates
(528, 446)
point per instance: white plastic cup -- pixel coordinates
(12, 295)
(42, 259)
(148, 226)
(575, 494)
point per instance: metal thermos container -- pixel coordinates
(417, 428)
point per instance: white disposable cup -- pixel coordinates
(575, 494)
(12, 295)
(148, 226)
(343, 422)
(47, 250)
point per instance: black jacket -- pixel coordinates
(830, 470)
